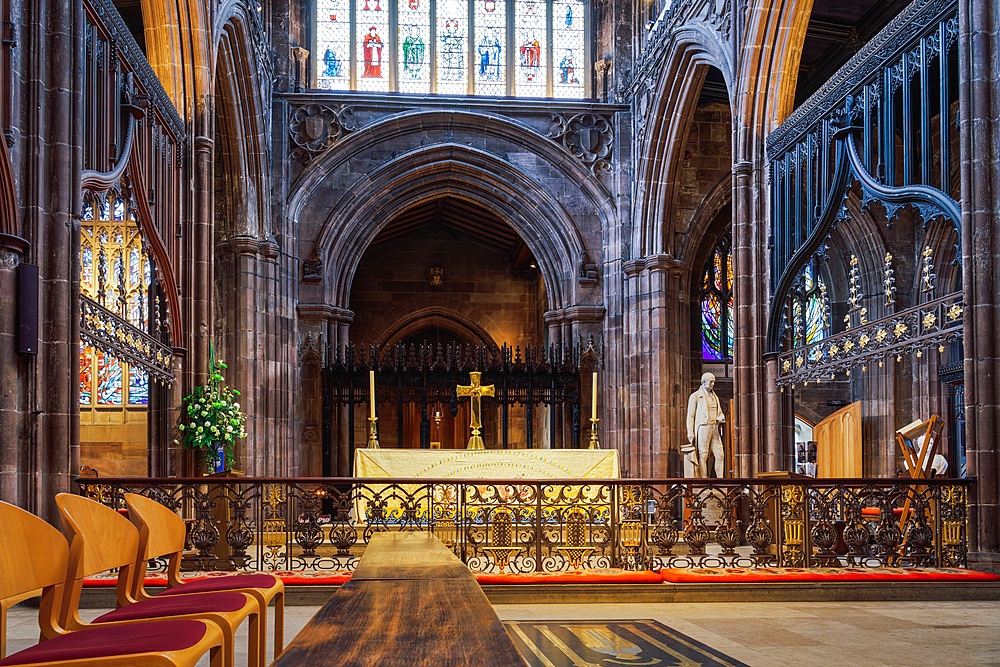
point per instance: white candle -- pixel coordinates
(371, 389)
(593, 404)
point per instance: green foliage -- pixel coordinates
(213, 416)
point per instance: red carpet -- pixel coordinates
(290, 578)
(778, 574)
(596, 576)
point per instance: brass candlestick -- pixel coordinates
(372, 433)
(594, 443)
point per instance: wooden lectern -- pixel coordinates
(918, 441)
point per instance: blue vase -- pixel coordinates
(220, 458)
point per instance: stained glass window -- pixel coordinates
(717, 303)
(452, 33)
(568, 48)
(114, 272)
(372, 37)
(414, 46)
(535, 48)
(491, 47)
(810, 307)
(333, 43)
(532, 53)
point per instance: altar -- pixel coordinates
(465, 464)
(399, 503)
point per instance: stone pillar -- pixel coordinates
(630, 396)
(750, 269)
(202, 237)
(979, 112)
(663, 322)
(12, 249)
(345, 457)
(245, 355)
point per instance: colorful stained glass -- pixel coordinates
(86, 265)
(88, 210)
(372, 38)
(86, 375)
(717, 320)
(138, 387)
(414, 46)
(333, 41)
(452, 32)
(568, 48)
(814, 319)
(109, 380)
(529, 36)
(711, 328)
(119, 208)
(491, 47)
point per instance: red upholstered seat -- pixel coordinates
(230, 583)
(176, 605)
(874, 511)
(158, 637)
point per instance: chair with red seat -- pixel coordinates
(34, 555)
(161, 533)
(101, 539)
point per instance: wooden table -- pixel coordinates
(411, 602)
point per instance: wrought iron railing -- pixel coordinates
(922, 328)
(551, 525)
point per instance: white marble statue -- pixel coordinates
(703, 419)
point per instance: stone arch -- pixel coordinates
(241, 131)
(671, 109)
(446, 319)
(538, 216)
(717, 199)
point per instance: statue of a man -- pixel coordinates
(703, 419)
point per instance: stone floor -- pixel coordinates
(874, 634)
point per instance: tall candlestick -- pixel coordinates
(371, 391)
(593, 404)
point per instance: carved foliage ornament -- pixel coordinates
(587, 136)
(315, 128)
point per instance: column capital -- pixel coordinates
(554, 316)
(742, 168)
(583, 314)
(633, 267)
(14, 243)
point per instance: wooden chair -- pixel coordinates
(101, 539)
(34, 555)
(162, 533)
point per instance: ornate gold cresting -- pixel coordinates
(953, 515)
(475, 391)
(889, 282)
(927, 275)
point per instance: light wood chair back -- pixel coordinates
(114, 539)
(161, 533)
(100, 539)
(160, 528)
(33, 555)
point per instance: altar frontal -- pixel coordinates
(440, 501)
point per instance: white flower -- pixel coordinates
(236, 405)
(207, 423)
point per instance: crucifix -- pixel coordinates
(476, 392)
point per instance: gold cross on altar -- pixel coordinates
(476, 392)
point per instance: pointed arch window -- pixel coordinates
(114, 272)
(527, 48)
(717, 303)
(810, 307)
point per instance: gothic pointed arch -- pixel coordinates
(480, 176)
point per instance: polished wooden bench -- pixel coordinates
(412, 602)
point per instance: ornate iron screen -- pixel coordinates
(429, 375)
(883, 126)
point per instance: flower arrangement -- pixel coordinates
(214, 419)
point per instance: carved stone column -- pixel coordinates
(979, 106)
(630, 391)
(246, 352)
(12, 249)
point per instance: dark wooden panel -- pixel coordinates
(410, 622)
(409, 556)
